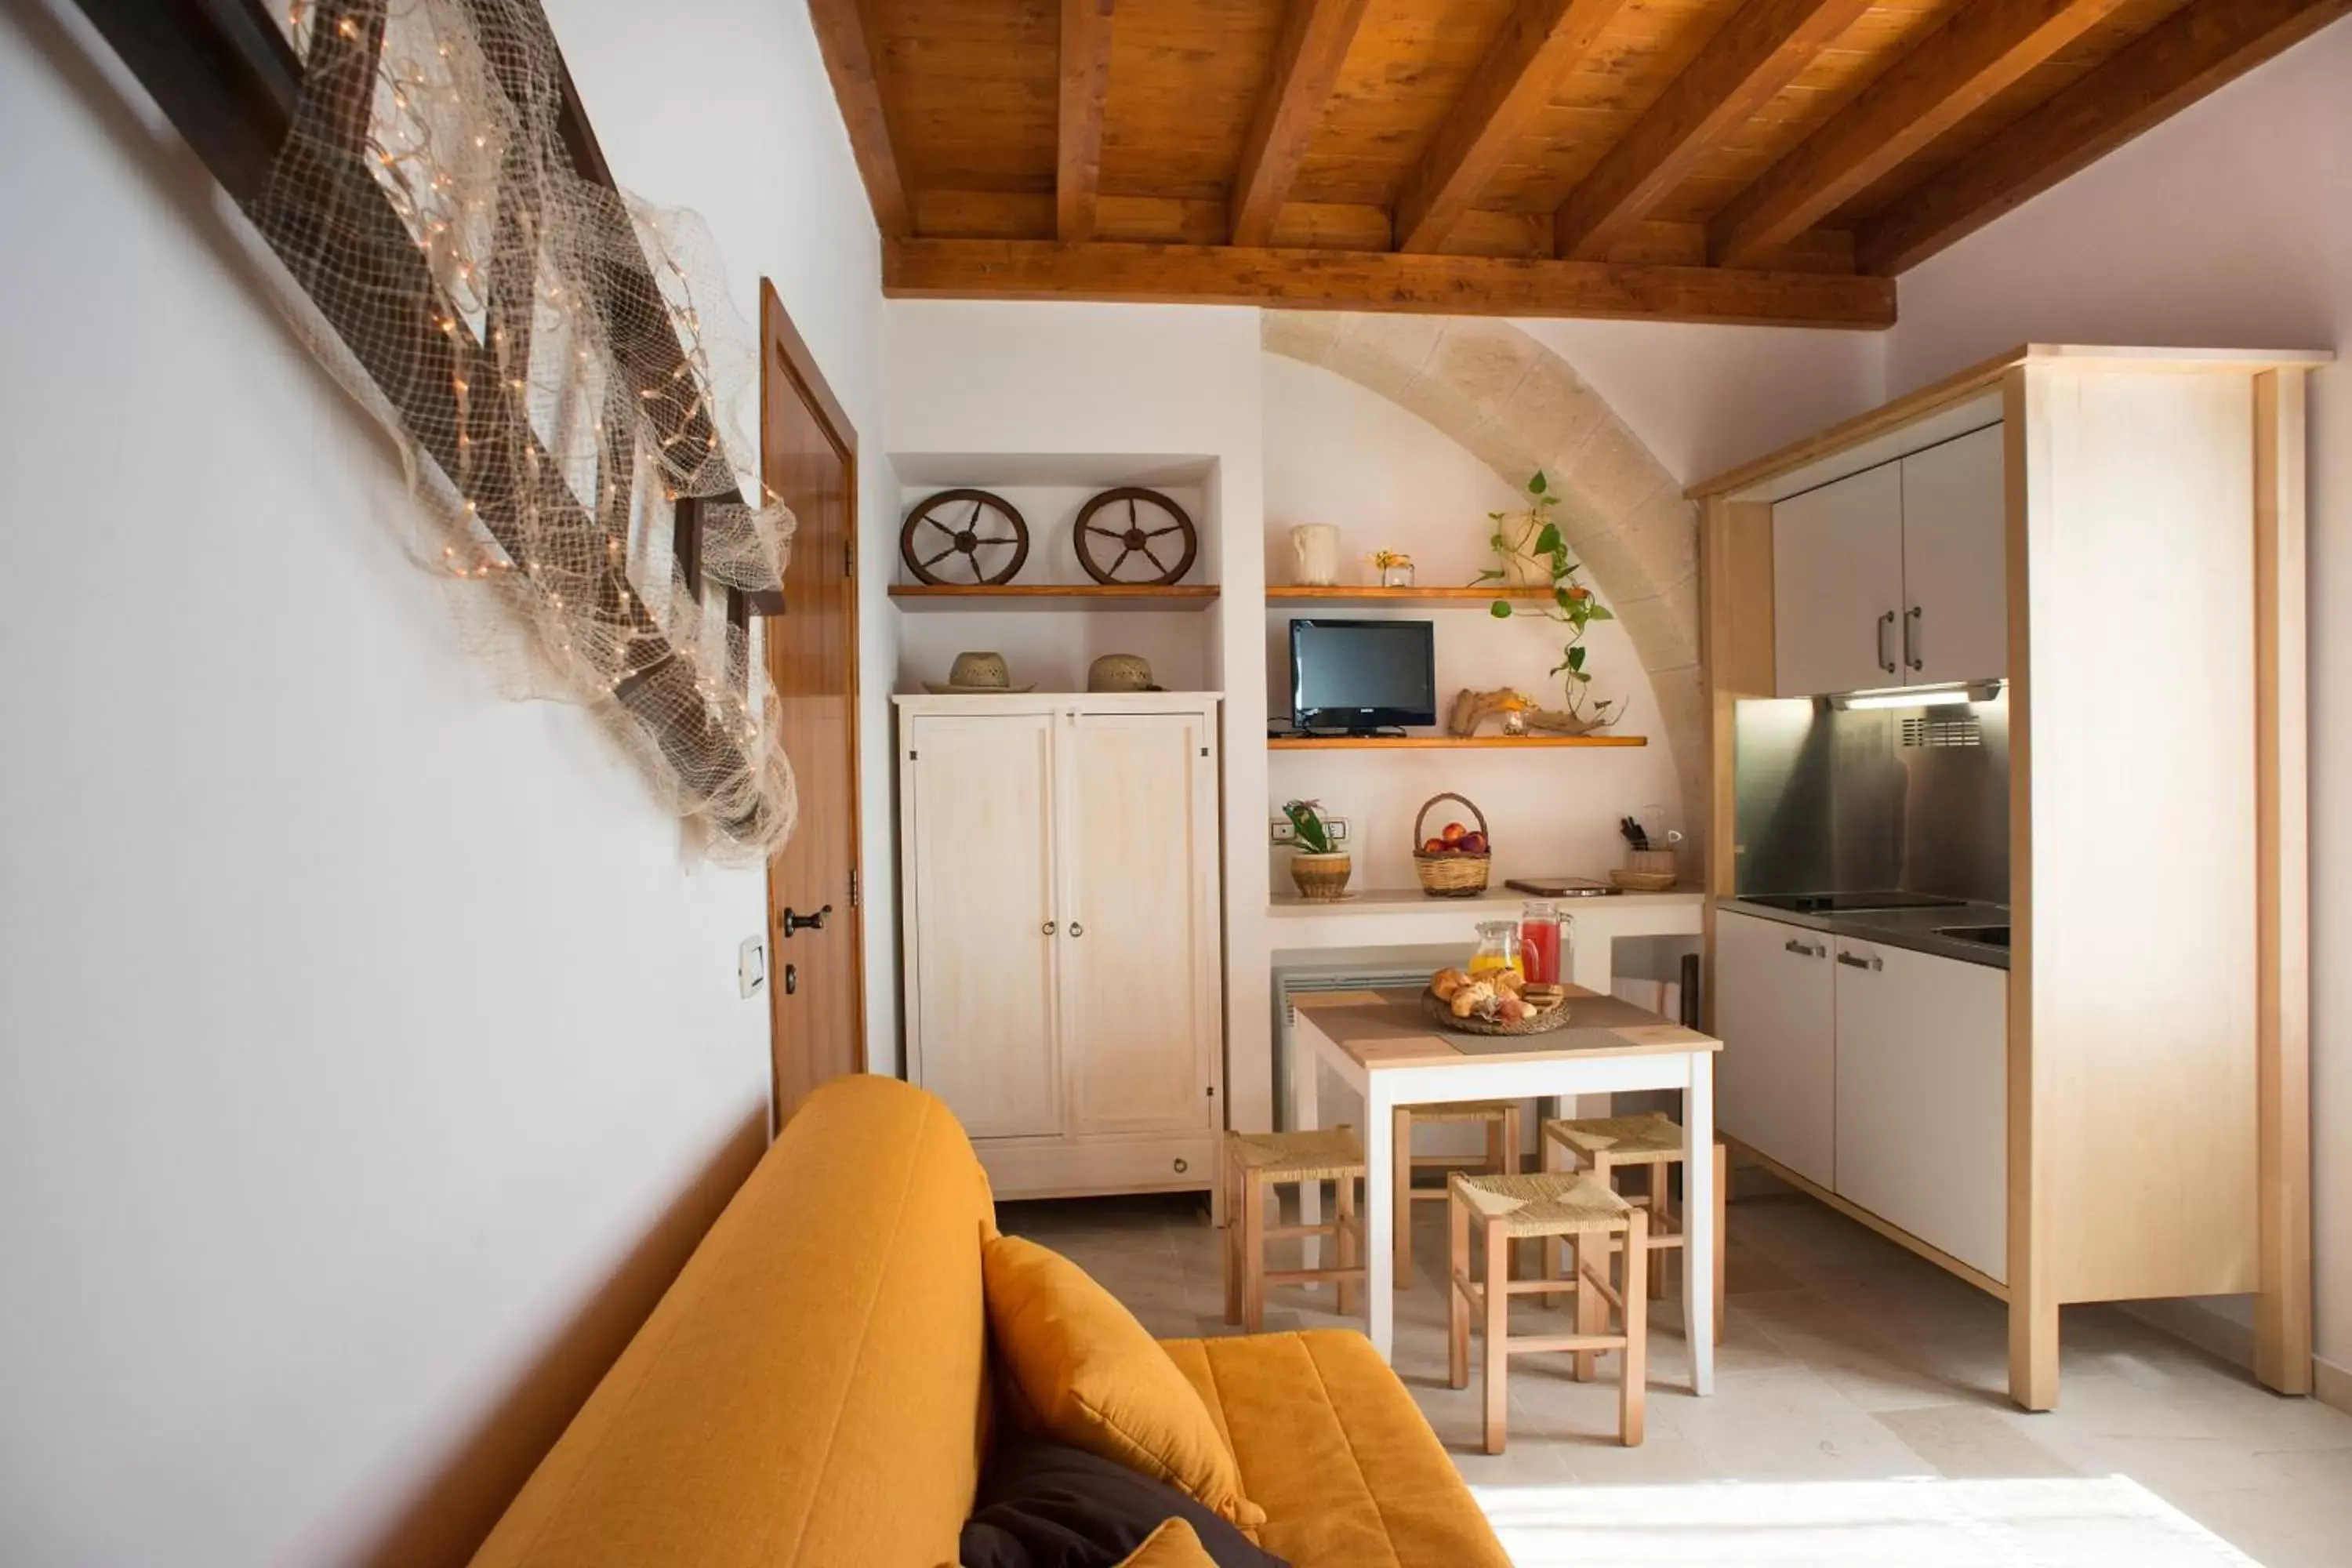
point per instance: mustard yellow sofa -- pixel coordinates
(814, 1389)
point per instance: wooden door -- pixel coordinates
(1922, 1098)
(808, 454)
(1776, 1083)
(1140, 947)
(1955, 561)
(982, 929)
(1837, 585)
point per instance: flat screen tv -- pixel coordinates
(1361, 676)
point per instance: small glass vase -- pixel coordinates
(1397, 576)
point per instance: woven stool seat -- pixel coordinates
(1297, 1156)
(1542, 1203)
(1652, 1138)
(1462, 1111)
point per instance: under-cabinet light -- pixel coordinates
(1918, 696)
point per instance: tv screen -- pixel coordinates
(1362, 675)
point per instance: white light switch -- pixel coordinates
(751, 965)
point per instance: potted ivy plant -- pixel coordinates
(1320, 871)
(1530, 551)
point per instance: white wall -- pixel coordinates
(2227, 225)
(372, 1055)
(1339, 453)
(1706, 398)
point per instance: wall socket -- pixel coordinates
(1286, 836)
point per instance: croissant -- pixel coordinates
(1471, 997)
(1446, 983)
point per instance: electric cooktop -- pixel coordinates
(1850, 903)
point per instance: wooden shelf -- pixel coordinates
(1053, 596)
(1360, 598)
(1445, 743)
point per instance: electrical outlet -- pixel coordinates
(1286, 835)
(1284, 832)
(1336, 826)
(751, 965)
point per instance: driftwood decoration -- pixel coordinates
(1472, 709)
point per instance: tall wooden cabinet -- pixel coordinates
(1058, 861)
(2067, 519)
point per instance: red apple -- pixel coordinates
(1434, 847)
(1474, 844)
(1454, 832)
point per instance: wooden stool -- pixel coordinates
(1502, 1120)
(1609, 1143)
(1253, 1162)
(1552, 1205)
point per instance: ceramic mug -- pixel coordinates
(1315, 548)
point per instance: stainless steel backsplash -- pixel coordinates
(1915, 798)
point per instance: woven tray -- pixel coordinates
(1442, 1016)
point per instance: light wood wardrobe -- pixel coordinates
(2151, 1132)
(1063, 933)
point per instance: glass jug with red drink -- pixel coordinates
(1544, 943)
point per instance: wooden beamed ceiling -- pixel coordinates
(1775, 161)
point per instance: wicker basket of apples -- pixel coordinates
(1453, 862)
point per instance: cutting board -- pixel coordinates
(1562, 886)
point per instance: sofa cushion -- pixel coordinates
(1334, 1449)
(1174, 1544)
(1047, 1505)
(1089, 1375)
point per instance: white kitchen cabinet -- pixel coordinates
(1923, 1096)
(1896, 576)
(1837, 582)
(1063, 933)
(1775, 1082)
(1955, 561)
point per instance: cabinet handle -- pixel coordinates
(1913, 618)
(1182, 1165)
(1886, 625)
(1807, 949)
(1048, 928)
(1853, 962)
(1077, 930)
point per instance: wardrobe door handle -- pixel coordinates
(1048, 928)
(1077, 930)
(1886, 625)
(1913, 619)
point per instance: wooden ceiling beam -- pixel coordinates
(1982, 51)
(1086, 89)
(1538, 41)
(1314, 38)
(2158, 73)
(1367, 280)
(852, 58)
(1753, 57)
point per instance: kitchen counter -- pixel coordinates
(1913, 929)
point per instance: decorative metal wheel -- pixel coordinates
(971, 532)
(1119, 525)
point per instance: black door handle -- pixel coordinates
(792, 922)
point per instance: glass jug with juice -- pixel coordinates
(1543, 944)
(1498, 948)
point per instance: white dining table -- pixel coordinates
(1384, 1045)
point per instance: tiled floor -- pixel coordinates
(1846, 1360)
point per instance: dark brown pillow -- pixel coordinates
(1042, 1505)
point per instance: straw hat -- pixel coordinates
(1120, 672)
(976, 672)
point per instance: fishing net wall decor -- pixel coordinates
(564, 376)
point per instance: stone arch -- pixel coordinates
(1518, 406)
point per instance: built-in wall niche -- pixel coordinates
(1052, 638)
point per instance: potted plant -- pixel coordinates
(1320, 871)
(1532, 550)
